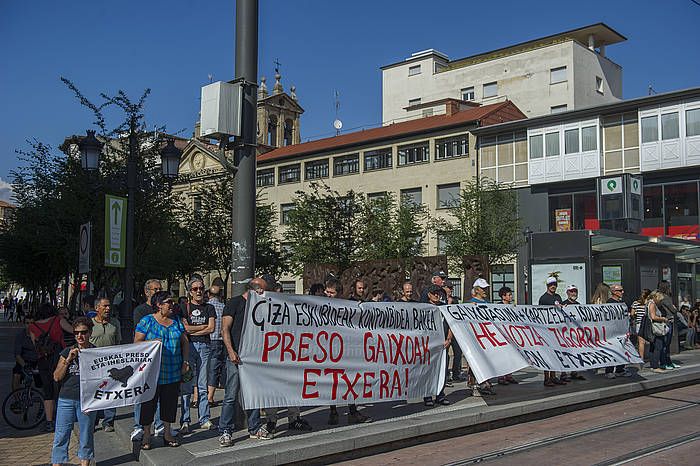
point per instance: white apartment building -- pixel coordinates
(561, 72)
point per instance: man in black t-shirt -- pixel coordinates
(231, 330)
(551, 298)
(199, 320)
(571, 298)
(616, 297)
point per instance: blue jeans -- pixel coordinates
(217, 364)
(199, 360)
(68, 413)
(137, 414)
(228, 408)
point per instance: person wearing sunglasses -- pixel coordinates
(174, 362)
(151, 287)
(199, 320)
(68, 410)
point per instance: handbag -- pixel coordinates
(659, 329)
(645, 329)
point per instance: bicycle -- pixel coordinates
(23, 408)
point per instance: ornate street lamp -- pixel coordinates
(170, 159)
(90, 149)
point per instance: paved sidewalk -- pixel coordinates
(401, 423)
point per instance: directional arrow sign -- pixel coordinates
(115, 230)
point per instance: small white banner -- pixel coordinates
(497, 339)
(299, 350)
(116, 376)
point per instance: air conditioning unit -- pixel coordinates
(220, 112)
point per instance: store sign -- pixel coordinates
(612, 274)
(636, 186)
(562, 219)
(611, 186)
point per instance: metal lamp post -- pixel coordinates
(90, 149)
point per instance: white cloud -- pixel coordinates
(5, 191)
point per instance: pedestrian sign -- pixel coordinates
(611, 185)
(115, 230)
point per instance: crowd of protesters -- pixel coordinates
(201, 335)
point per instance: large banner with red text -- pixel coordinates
(498, 339)
(301, 350)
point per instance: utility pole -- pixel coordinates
(243, 217)
(125, 314)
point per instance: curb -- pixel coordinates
(356, 441)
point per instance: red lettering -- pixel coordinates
(303, 346)
(336, 336)
(486, 334)
(556, 334)
(322, 359)
(335, 373)
(269, 347)
(367, 387)
(383, 384)
(371, 357)
(307, 383)
(287, 342)
(398, 341)
(350, 385)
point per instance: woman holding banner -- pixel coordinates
(173, 364)
(68, 410)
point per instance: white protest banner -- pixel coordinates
(116, 376)
(313, 351)
(499, 339)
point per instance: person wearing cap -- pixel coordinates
(457, 375)
(506, 295)
(199, 320)
(551, 298)
(571, 297)
(616, 297)
(438, 278)
(480, 292)
(217, 355)
(434, 293)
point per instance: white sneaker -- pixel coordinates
(207, 425)
(185, 428)
(610, 375)
(225, 440)
(137, 434)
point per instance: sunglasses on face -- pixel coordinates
(196, 288)
(80, 332)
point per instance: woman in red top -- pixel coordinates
(48, 322)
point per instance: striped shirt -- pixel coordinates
(639, 310)
(171, 352)
(219, 308)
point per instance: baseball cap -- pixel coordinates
(435, 289)
(439, 273)
(572, 287)
(481, 283)
(551, 280)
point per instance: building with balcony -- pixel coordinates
(564, 71)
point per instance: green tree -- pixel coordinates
(39, 246)
(209, 231)
(322, 228)
(390, 229)
(484, 221)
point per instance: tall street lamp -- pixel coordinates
(170, 155)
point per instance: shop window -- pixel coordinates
(560, 212)
(501, 275)
(585, 212)
(653, 211)
(681, 201)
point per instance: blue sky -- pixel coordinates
(172, 46)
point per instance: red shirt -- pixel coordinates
(53, 326)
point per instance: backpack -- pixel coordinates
(46, 348)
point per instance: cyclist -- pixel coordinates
(25, 356)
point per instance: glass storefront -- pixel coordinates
(573, 212)
(672, 210)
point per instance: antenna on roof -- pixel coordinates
(211, 77)
(337, 124)
(651, 90)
